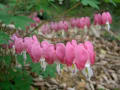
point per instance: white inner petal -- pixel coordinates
(75, 30)
(43, 63)
(63, 33)
(85, 29)
(24, 55)
(13, 49)
(108, 26)
(58, 68)
(87, 71)
(73, 69)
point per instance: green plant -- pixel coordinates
(92, 3)
(13, 75)
(18, 21)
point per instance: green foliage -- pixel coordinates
(2, 6)
(36, 68)
(15, 80)
(101, 89)
(4, 38)
(20, 59)
(109, 36)
(3, 1)
(49, 72)
(19, 21)
(7, 16)
(92, 3)
(12, 78)
(111, 1)
(8, 60)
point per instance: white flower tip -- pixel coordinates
(108, 26)
(87, 71)
(58, 69)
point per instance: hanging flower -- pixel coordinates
(98, 19)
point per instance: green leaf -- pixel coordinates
(111, 1)
(20, 59)
(2, 6)
(19, 21)
(3, 38)
(92, 3)
(23, 81)
(50, 71)
(36, 67)
(6, 85)
(1, 58)
(28, 60)
(7, 60)
(12, 74)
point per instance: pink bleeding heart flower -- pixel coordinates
(50, 54)
(45, 29)
(11, 42)
(14, 36)
(63, 25)
(36, 52)
(60, 52)
(27, 28)
(19, 45)
(89, 47)
(81, 56)
(54, 26)
(69, 54)
(44, 45)
(36, 19)
(41, 12)
(74, 43)
(73, 22)
(106, 17)
(98, 19)
(87, 21)
(34, 37)
(28, 41)
(32, 25)
(82, 22)
(66, 26)
(33, 15)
